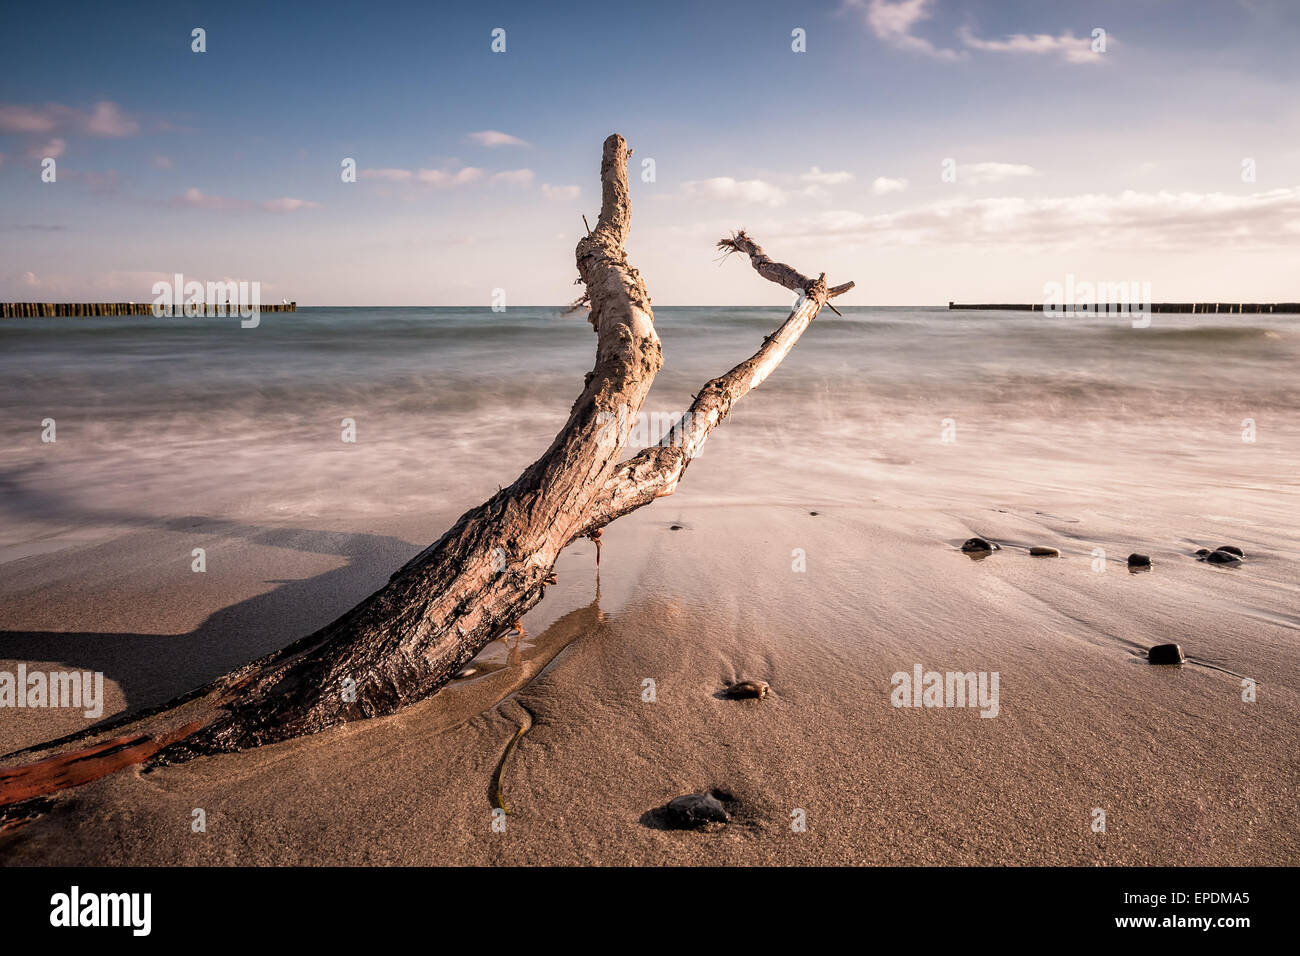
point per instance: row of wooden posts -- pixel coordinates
(34, 310)
(1198, 308)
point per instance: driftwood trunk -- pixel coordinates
(405, 641)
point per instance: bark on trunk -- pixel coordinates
(404, 642)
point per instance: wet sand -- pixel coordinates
(1186, 771)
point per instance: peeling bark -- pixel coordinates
(404, 642)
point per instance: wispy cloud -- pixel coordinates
(195, 198)
(566, 193)
(106, 119)
(516, 176)
(161, 162)
(444, 179)
(109, 120)
(390, 175)
(883, 185)
(1072, 48)
(727, 189)
(892, 21)
(494, 137)
(449, 177)
(1153, 220)
(53, 149)
(977, 174)
(816, 176)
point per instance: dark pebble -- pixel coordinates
(977, 544)
(1166, 654)
(675, 527)
(1045, 552)
(1222, 557)
(696, 810)
(749, 689)
(1202, 552)
(1231, 549)
(814, 513)
(1139, 561)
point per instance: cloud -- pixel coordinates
(196, 199)
(1152, 220)
(443, 179)
(100, 182)
(565, 193)
(53, 149)
(493, 137)
(883, 185)
(892, 22)
(747, 191)
(815, 175)
(161, 162)
(1074, 49)
(287, 204)
(976, 174)
(26, 119)
(517, 176)
(107, 119)
(450, 178)
(391, 175)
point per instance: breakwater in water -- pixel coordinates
(1191, 308)
(26, 310)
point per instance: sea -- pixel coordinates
(338, 414)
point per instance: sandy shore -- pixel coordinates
(1186, 772)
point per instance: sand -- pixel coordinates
(1185, 770)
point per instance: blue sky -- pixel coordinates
(476, 167)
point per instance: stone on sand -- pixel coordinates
(1045, 552)
(975, 545)
(1166, 654)
(1136, 560)
(1222, 557)
(696, 810)
(749, 689)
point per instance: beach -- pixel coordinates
(814, 545)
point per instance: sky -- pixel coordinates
(929, 150)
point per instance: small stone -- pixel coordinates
(695, 810)
(1139, 561)
(814, 513)
(973, 545)
(675, 527)
(1222, 557)
(1166, 654)
(749, 690)
(1202, 552)
(1043, 552)
(1231, 549)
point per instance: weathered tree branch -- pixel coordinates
(403, 643)
(656, 471)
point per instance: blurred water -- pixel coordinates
(199, 416)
